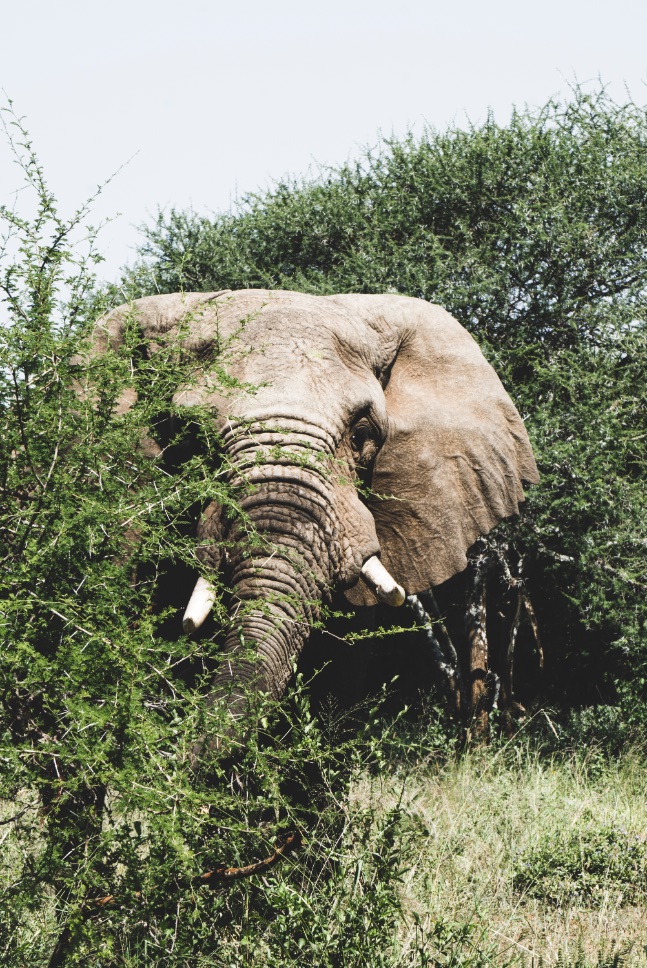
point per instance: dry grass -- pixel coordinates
(473, 821)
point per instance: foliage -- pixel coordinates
(534, 234)
(106, 824)
(588, 517)
(525, 231)
(447, 944)
(585, 864)
(477, 820)
(607, 957)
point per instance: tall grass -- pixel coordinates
(485, 859)
(522, 858)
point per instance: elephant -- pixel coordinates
(369, 438)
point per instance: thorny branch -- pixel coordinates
(223, 874)
(483, 685)
(472, 703)
(523, 606)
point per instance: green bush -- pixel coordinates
(585, 865)
(105, 825)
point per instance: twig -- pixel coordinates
(15, 817)
(478, 644)
(428, 600)
(223, 873)
(512, 642)
(534, 624)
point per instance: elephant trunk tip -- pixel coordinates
(383, 584)
(200, 604)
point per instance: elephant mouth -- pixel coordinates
(373, 572)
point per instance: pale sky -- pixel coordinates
(212, 100)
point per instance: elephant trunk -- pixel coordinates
(286, 558)
(287, 552)
(278, 592)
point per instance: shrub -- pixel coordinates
(585, 865)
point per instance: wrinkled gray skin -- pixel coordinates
(388, 389)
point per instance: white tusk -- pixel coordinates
(200, 604)
(385, 587)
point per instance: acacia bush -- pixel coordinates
(534, 234)
(105, 827)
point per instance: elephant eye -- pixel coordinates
(364, 443)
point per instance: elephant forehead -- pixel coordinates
(298, 361)
(286, 325)
(309, 365)
(304, 387)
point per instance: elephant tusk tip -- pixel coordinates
(199, 606)
(394, 597)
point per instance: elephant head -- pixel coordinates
(372, 443)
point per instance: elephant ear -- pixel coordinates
(455, 455)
